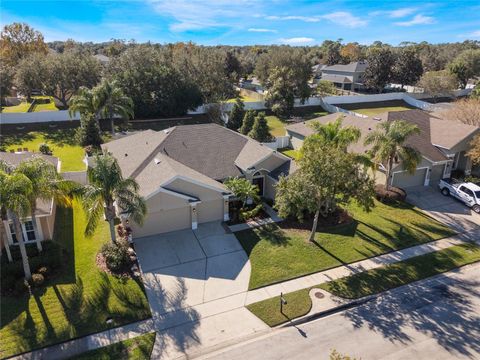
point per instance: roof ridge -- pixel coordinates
(150, 156)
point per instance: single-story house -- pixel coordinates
(45, 215)
(442, 143)
(346, 77)
(181, 170)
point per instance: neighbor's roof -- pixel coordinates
(16, 158)
(358, 66)
(336, 78)
(447, 133)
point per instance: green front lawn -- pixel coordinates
(369, 282)
(75, 302)
(61, 143)
(137, 348)
(278, 252)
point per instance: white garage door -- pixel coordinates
(404, 179)
(165, 221)
(210, 211)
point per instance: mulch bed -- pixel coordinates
(102, 265)
(393, 194)
(338, 218)
(261, 215)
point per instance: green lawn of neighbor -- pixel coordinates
(369, 282)
(24, 106)
(244, 98)
(137, 348)
(375, 108)
(294, 154)
(276, 126)
(280, 252)
(61, 143)
(75, 302)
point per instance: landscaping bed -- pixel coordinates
(139, 347)
(369, 282)
(279, 252)
(75, 302)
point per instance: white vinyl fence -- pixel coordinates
(279, 143)
(37, 117)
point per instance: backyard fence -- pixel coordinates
(76, 176)
(279, 143)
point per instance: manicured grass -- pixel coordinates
(24, 106)
(281, 252)
(75, 302)
(244, 98)
(139, 347)
(375, 108)
(277, 126)
(294, 154)
(369, 282)
(61, 143)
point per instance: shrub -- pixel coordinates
(472, 179)
(38, 280)
(116, 256)
(393, 194)
(248, 214)
(45, 149)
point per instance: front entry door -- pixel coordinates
(259, 182)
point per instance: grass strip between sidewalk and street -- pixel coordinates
(139, 347)
(369, 282)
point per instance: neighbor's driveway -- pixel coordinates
(196, 284)
(444, 208)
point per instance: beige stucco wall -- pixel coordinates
(47, 224)
(201, 192)
(296, 140)
(210, 211)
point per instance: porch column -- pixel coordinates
(38, 230)
(193, 211)
(226, 203)
(468, 166)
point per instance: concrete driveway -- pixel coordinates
(446, 209)
(196, 283)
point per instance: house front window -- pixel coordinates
(27, 229)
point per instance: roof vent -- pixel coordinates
(157, 161)
(126, 154)
(166, 131)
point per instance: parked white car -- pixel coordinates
(468, 193)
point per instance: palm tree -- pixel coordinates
(5, 169)
(109, 100)
(105, 100)
(47, 184)
(333, 133)
(388, 144)
(108, 189)
(15, 191)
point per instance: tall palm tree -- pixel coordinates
(333, 133)
(47, 184)
(105, 101)
(388, 144)
(108, 190)
(15, 192)
(109, 100)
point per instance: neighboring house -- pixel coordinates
(181, 171)
(442, 144)
(346, 77)
(317, 70)
(45, 214)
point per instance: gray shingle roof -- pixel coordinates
(358, 66)
(342, 79)
(16, 158)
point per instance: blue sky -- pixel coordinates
(241, 22)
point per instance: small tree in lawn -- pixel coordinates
(247, 123)
(236, 115)
(260, 130)
(388, 144)
(244, 191)
(327, 178)
(88, 134)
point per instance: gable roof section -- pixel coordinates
(162, 169)
(423, 141)
(252, 153)
(448, 133)
(357, 66)
(16, 158)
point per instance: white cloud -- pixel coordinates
(475, 34)
(196, 15)
(259, 30)
(397, 13)
(417, 20)
(341, 18)
(297, 40)
(291, 17)
(344, 18)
